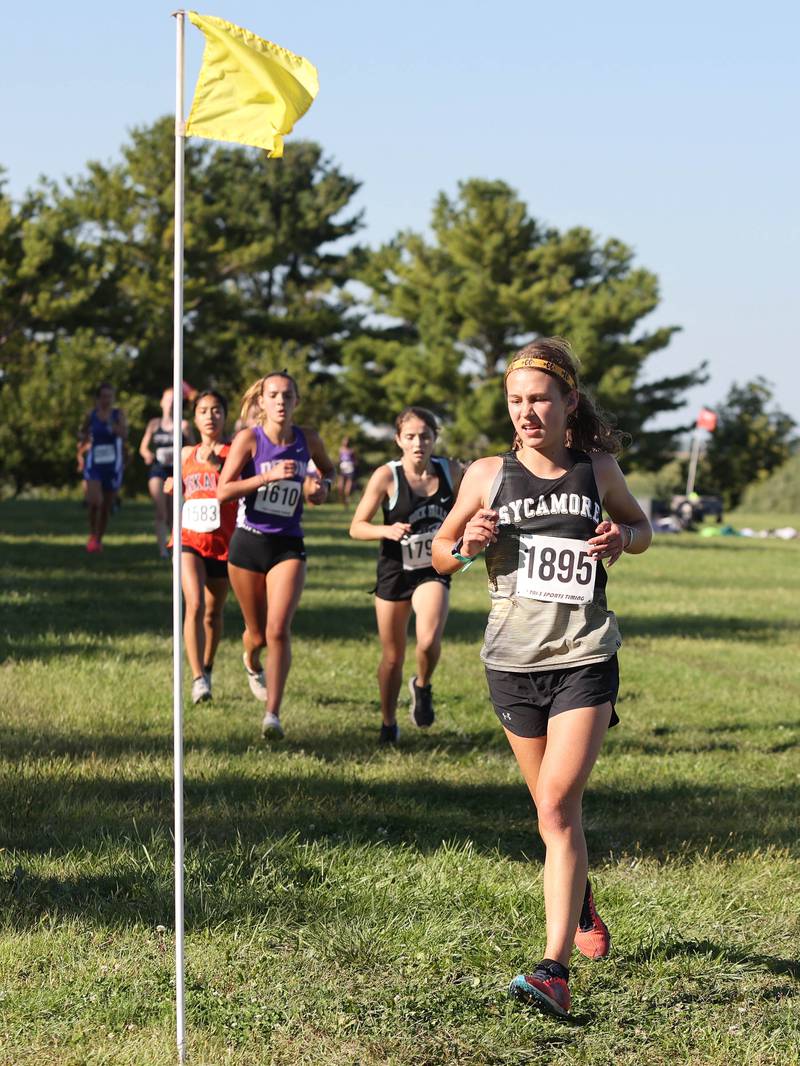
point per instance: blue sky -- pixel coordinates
(672, 128)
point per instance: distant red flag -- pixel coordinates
(707, 419)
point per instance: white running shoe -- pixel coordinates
(256, 681)
(201, 690)
(271, 728)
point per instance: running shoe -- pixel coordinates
(271, 728)
(93, 544)
(592, 937)
(207, 672)
(542, 989)
(390, 734)
(256, 681)
(421, 704)
(201, 690)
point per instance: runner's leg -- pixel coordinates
(284, 586)
(430, 602)
(193, 580)
(216, 594)
(574, 739)
(250, 588)
(392, 618)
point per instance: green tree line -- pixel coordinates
(276, 276)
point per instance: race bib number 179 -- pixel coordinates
(555, 569)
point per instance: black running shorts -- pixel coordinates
(214, 567)
(396, 584)
(525, 702)
(259, 552)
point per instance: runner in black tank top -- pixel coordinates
(416, 495)
(156, 450)
(550, 642)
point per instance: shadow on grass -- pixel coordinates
(677, 948)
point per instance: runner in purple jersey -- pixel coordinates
(266, 470)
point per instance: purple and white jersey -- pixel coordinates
(278, 505)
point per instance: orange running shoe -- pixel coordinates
(543, 989)
(592, 937)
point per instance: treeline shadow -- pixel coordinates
(705, 626)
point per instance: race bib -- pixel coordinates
(416, 550)
(164, 456)
(202, 516)
(347, 468)
(279, 498)
(555, 569)
(104, 453)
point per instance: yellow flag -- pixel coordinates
(249, 90)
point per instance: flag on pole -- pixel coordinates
(707, 419)
(249, 91)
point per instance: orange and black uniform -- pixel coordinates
(200, 483)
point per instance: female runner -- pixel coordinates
(156, 450)
(206, 529)
(266, 470)
(550, 648)
(100, 456)
(416, 494)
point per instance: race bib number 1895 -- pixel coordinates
(555, 569)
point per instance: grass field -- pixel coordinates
(351, 905)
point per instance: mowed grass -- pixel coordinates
(351, 905)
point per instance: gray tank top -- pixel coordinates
(527, 632)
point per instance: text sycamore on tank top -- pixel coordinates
(276, 508)
(524, 634)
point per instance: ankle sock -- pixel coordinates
(555, 969)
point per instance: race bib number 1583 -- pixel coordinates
(556, 569)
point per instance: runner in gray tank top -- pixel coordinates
(551, 641)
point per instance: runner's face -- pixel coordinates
(538, 408)
(166, 403)
(416, 440)
(105, 398)
(209, 417)
(278, 399)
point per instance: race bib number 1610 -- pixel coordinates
(555, 569)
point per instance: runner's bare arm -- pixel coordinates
(378, 488)
(229, 487)
(628, 529)
(144, 447)
(470, 520)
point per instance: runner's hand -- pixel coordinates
(396, 531)
(285, 468)
(609, 542)
(480, 531)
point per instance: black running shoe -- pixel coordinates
(390, 734)
(422, 714)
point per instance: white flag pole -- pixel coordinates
(695, 455)
(177, 501)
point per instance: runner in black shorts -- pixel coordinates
(416, 494)
(550, 648)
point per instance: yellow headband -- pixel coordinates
(532, 363)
